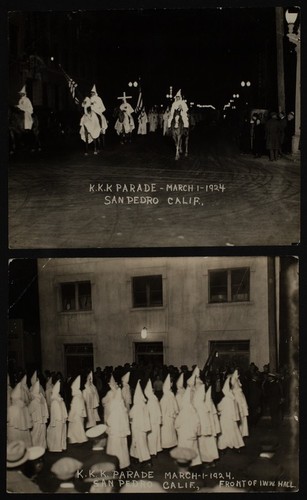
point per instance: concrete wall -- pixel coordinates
(185, 323)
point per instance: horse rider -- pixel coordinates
(89, 123)
(25, 105)
(182, 106)
(128, 110)
(98, 107)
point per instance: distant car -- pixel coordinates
(262, 113)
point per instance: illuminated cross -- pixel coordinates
(124, 96)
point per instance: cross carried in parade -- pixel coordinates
(124, 96)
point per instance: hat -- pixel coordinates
(142, 486)
(269, 445)
(93, 470)
(65, 468)
(96, 431)
(183, 455)
(23, 90)
(16, 454)
(291, 113)
(94, 89)
(35, 452)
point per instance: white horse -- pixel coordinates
(90, 128)
(124, 125)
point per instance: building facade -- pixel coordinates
(109, 311)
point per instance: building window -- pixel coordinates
(76, 296)
(229, 285)
(147, 291)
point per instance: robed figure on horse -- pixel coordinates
(178, 123)
(93, 123)
(23, 125)
(125, 123)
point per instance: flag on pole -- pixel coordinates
(72, 85)
(139, 104)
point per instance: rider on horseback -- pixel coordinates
(25, 105)
(181, 105)
(98, 107)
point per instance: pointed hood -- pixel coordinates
(235, 381)
(89, 378)
(56, 389)
(94, 89)
(178, 94)
(191, 380)
(35, 388)
(186, 398)
(208, 394)
(125, 378)
(167, 384)
(199, 396)
(148, 389)
(34, 378)
(138, 394)
(8, 380)
(75, 386)
(49, 383)
(226, 387)
(118, 395)
(179, 383)
(24, 381)
(23, 90)
(112, 383)
(16, 392)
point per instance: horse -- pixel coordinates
(179, 133)
(18, 135)
(124, 125)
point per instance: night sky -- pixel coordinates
(205, 52)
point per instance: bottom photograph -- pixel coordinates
(153, 375)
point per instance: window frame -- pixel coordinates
(148, 291)
(229, 285)
(77, 296)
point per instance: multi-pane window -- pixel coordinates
(229, 285)
(76, 296)
(147, 291)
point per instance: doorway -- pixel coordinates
(78, 358)
(230, 354)
(149, 353)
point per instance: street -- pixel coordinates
(137, 195)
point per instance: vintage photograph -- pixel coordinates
(137, 128)
(153, 375)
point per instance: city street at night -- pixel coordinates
(214, 197)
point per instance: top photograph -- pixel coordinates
(154, 128)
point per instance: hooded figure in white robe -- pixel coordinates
(39, 413)
(215, 421)
(19, 421)
(207, 439)
(142, 120)
(169, 409)
(91, 398)
(118, 429)
(106, 400)
(99, 108)
(48, 392)
(180, 390)
(155, 417)
(230, 436)
(25, 105)
(191, 382)
(140, 426)
(126, 391)
(187, 425)
(77, 414)
(25, 392)
(242, 403)
(57, 428)
(34, 379)
(179, 104)
(128, 124)
(89, 122)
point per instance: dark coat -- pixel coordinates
(273, 134)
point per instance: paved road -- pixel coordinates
(137, 195)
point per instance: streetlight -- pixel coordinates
(144, 332)
(295, 38)
(133, 84)
(170, 94)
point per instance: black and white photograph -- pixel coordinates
(153, 375)
(152, 127)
